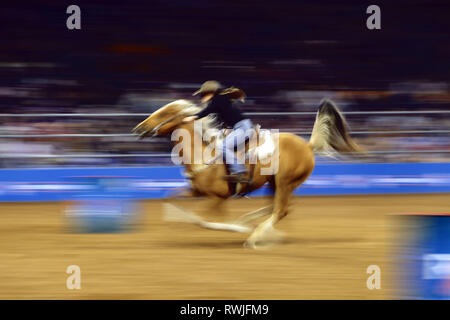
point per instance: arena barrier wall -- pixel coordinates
(156, 182)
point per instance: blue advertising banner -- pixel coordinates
(156, 182)
(423, 256)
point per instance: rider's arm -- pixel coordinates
(211, 108)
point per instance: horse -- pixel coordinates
(294, 157)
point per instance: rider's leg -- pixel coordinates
(236, 139)
(228, 147)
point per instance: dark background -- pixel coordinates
(136, 56)
(143, 43)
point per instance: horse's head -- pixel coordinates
(166, 119)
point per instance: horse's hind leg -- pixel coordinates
(281, 199)
(250, 216)
(259, 213)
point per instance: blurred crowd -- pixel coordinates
(87, 138)
(286, 55)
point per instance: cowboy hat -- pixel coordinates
(210, 86)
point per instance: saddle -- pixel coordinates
(217, 141)
(259, 147)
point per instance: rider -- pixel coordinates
(221, 103)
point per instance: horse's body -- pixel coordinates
(294, 156)
(207, 181)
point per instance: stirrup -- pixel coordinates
(237, 178)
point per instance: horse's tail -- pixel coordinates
(330, 131)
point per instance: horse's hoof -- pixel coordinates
(261, 244)
(250, 244)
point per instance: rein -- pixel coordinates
(182, 113)
(155, 130)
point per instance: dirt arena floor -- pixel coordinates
(329, 243)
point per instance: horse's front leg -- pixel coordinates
(175, 213)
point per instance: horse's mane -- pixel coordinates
(190, 108)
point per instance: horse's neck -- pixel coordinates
(196, 153)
